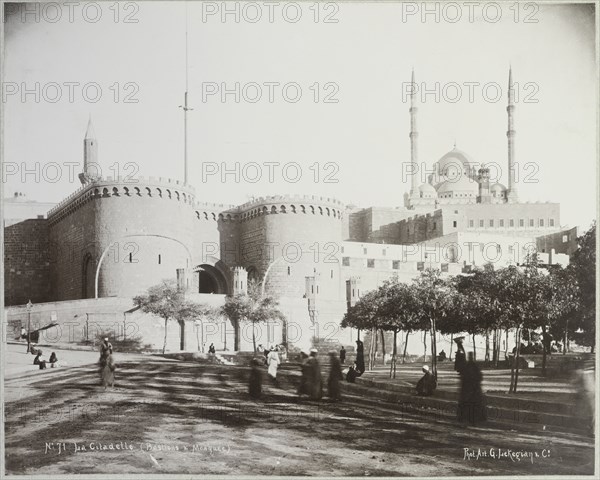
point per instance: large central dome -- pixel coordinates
(452, 162)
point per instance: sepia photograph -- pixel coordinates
(299, 239)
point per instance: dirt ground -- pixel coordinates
(175, 417)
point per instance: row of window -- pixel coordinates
(511, 223)
(395, 264)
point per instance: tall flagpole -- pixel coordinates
(185, 105)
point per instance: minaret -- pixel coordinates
(512, 194)
(90, 155)
(414, 135)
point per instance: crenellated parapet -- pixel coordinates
(285, 205)
(140, 187)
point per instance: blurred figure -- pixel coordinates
(303, 388)
(360, 357)
(255, 382)
(107, 364)
(335, 375)
(37, 359)
(211, 349)
(273, 362)
(471, 403)
(315, 380)
(351, 375)
(460, 358)
(342, 355)
(53, 361)
(427, 384)
(442, 356)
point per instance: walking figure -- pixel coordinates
(255, 381)
(471, 403)
(107, 364)
(273, 362)
(342, 355)
(335, 375)
(315, 380)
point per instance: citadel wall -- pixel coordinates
(288, 236)
(27, 262)
(142, 231)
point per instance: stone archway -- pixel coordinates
(210, 279)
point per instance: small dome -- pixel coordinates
(498, 190)
(427, 191)
(463, 185)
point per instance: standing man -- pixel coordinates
(273, 362)
(342, 355)
(460, 357)
(360, 357)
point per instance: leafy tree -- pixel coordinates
(398, 312)
(167, 301)
(583, 264)
(253, 307)
(434, 304)
(365, 314)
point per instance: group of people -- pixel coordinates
(107, 364)
(311, 380)
(42, 364)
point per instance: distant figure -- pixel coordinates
(273, 362)
(282, 353)
(335, 375)
(427, 384)
(460, 358)
(342, 355)
(42, 364)
(303, 388)
(37, 359)
(442, 356)
(23, 333)
(105, 348)
(351, 375)
(53, 361)
(360, 357)
(255, 382)
(471, 403)
(211, 349)
(315, 380)
(107, 364)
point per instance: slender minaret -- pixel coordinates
(414, 135)
(90, 155)
(510, 134)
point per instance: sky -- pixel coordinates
(337, 124)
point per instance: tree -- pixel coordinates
(365, 314)
(583, 264)
(167, 301)
(398, 311)
(434, 303)
(253, 307)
